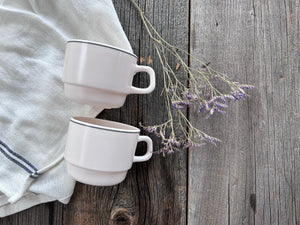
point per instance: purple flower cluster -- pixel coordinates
(212, 105)
(211, 139)
(158, 131)
(204, 101)
(238, 93)
(180, 104)
(190, 144)
(150, 129)
(244, 86)
(188, 97)
(171, 144)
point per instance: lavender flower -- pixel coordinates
(243, 86)
(211, 112)
(220, 105)
(180, 104)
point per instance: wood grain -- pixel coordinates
(45, 214)
(253, 176)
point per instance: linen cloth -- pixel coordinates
(34, 113)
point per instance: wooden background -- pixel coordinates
(253, 176)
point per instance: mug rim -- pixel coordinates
(79, 120)
(102, 45)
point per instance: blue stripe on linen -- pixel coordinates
(18, 156)
(19, 160)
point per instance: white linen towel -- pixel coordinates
(34, 113)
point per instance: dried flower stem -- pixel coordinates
(200, 94)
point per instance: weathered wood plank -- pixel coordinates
(252, 177)
(168, 175)
(153, 192)
(277, 48)
(219, 187)
(46, 214)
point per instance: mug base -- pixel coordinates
(94, 177)
(94, 96)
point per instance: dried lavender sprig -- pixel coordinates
(201, 93)
(170, 143)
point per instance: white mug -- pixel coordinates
(100, 74)
(100, 152)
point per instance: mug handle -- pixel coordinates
(150, 88)
(148, 154)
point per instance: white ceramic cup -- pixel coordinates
(102, 75)
(100, 152)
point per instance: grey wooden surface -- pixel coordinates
(253, 176)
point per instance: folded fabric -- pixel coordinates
(34, 112)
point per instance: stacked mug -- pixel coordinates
(100, 152)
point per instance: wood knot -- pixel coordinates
(121, 216)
